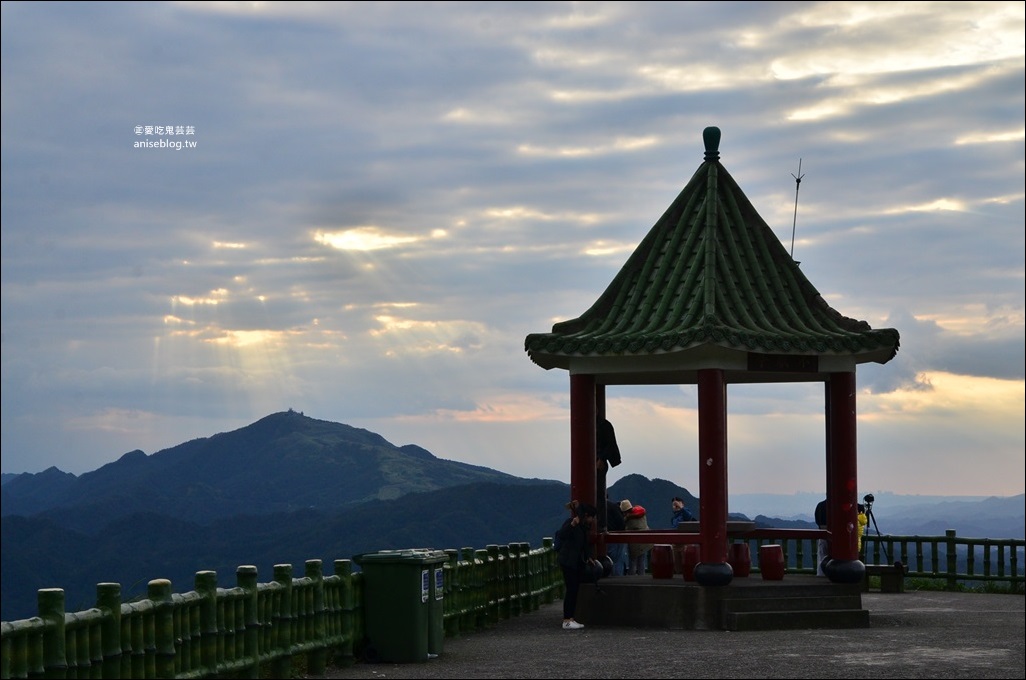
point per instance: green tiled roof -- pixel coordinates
(711, 286)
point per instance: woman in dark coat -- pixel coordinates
(574, 555)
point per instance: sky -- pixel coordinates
(212, 212)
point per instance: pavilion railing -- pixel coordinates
(952, 559)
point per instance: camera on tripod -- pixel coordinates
(868, 499)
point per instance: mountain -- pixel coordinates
(35, 490)
(40, 554)
(653, 495)
(286, 488)
(281, 463)
(991, 517)
(906, 515)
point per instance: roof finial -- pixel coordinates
(711, 136)
(797, 186)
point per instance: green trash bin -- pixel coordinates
(402, 605)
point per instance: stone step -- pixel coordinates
(796, 620)
(825, 602)
(814, 589)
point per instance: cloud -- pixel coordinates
(384, 199)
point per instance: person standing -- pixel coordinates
(680, 512)
(617, 552)
(822, 544)
(863, 520)
(606, 447)
(607, 455)
(635, 519)
(574, 556)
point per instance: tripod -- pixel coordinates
(869, 514)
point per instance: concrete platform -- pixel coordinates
(751, 603)
(911, 635)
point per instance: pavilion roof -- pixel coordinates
(710, 286)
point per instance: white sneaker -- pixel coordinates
(572, 625)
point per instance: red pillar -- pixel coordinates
(842, 480)
(582, 438)
(828, 421)
(713, 569)
(600, 473)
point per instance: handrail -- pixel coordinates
(676, 537)
(1000, 557)
(212, 631)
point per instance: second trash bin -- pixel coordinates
(403, 604)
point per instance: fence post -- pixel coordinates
(482, 588)
(8, 647)
(344, 571)
(1013, 568)
(518, 572)
(246, 578)
(206, 586)
(504, 582)
(495, 598)
(51, 610)
(949, 536)
(317, 657)
(159, 592)
(108, 601)
(453, 600)
(468, 587)
(283, 662)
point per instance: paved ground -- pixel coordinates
(911, 635)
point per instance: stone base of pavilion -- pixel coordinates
(798, 601)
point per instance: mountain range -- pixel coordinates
(289, 488)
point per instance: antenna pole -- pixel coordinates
(797, 185)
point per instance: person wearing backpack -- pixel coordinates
(574, 559)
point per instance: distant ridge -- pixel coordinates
(281, 463)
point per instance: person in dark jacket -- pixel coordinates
(574, 557)
(606, 447)
(680, 512)
(617, 552)
(607, 455)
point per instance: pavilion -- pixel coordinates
(711, 297)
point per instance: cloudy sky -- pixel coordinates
(360, 210)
